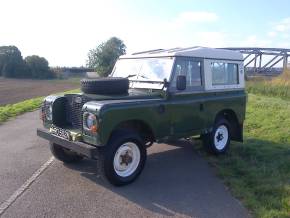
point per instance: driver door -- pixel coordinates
(187, 105)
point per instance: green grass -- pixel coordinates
(13, 110)
(274, 87)
(269, 88)
(258, 171)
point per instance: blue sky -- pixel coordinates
(64, 31)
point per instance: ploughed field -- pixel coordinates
(16, 90)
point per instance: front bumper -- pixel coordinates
(78, 147)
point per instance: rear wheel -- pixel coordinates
(218, 140)
(122, 161)
(63, 154)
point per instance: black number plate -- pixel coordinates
(60, 132)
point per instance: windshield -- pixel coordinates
(143, 71)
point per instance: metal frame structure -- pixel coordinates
(255, 57)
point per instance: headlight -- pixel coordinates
(46, 108)
(90, 122)
(48, 112)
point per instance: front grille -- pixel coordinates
(73, 110)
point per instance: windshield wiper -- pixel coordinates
(144, 77)
(147, 81)
(131, 75)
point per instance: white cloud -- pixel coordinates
(284, 44)
(283, 25)
(196, 17)
(272, 34)
(64, 31)
(61, 31)
(286, 36)
(184, 30)
(210, 39)
(254, 41)
(278, 36)
(280, 28)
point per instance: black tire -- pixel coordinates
(108, 85)
(218, 133)
(106, 156)
(64, 154)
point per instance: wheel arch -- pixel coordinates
(141, 127)
(236, 128)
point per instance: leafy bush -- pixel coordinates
(38, 67)
(12, 65)
(103, 58)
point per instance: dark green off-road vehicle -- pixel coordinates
(151, 96)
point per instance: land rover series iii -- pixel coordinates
(151, 96)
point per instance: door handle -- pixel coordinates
(161, 109)
(201, 107)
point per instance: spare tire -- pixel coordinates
(108, 85)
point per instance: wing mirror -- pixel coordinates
(181, 82)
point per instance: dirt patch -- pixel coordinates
(15, 90)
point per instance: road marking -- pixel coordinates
(4, 206)
(170, 212)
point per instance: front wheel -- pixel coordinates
(218, 140)
(122, 161)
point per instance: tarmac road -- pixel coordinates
(176, 182)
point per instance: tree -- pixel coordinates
(38, 67)
(13, 65)
(11, 62)
(104, 57)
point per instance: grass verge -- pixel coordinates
(13, 110)
(269, 88)
(258, 171)
(276, 87)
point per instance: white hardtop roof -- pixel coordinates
(201, 52)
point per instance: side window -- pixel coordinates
(224, 73)
(194, 74)
(189, 68)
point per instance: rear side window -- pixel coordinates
(189, 68)
(224, 73)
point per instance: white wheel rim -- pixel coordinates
(127, 159)
(221, 137)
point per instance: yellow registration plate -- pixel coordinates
(62, 133)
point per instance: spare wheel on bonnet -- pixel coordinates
(108, 85)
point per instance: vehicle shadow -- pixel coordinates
(176, 181)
